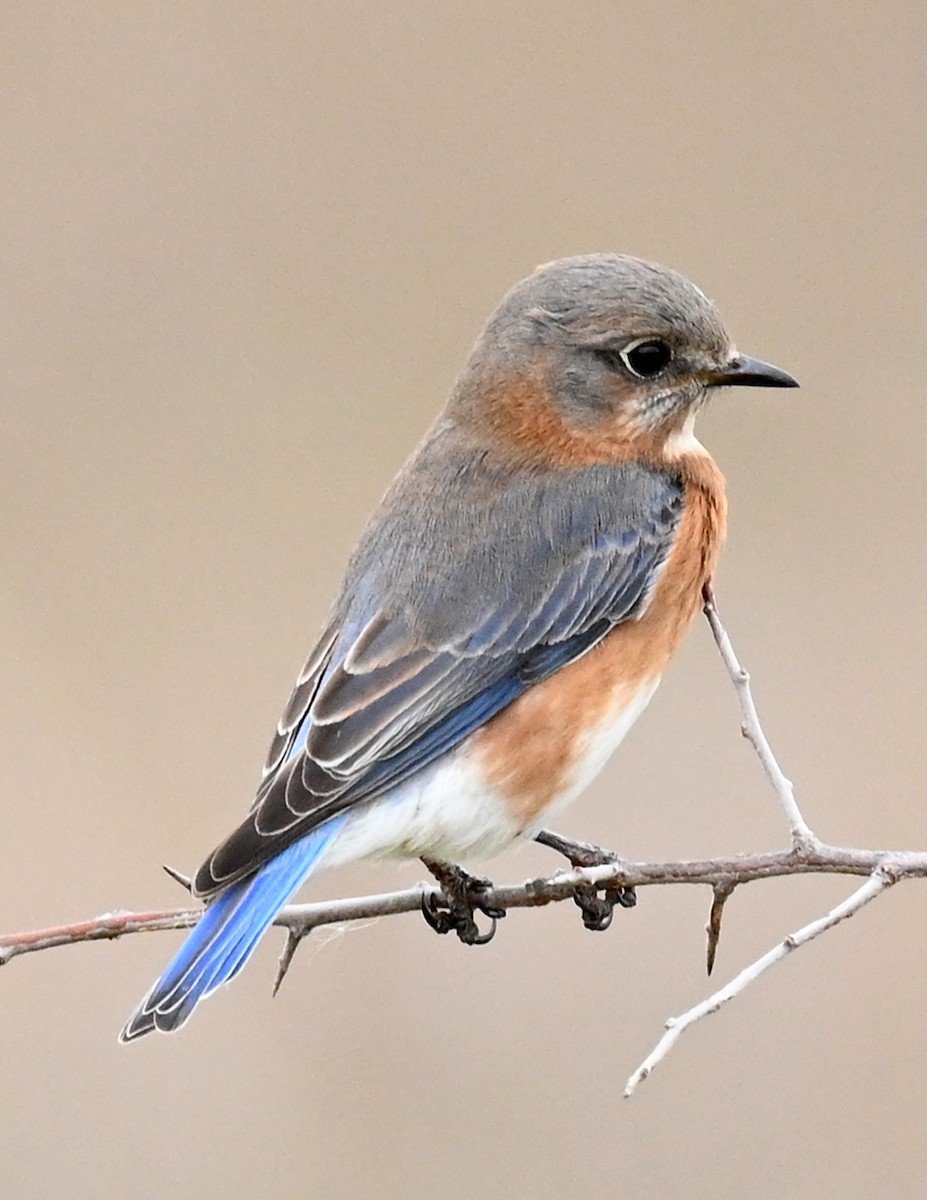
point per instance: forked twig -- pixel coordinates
(675, 1027)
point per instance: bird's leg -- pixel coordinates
(597, 910)
(463, 894)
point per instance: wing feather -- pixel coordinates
(463, 593)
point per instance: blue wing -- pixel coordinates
(441, 625)
(454, 604)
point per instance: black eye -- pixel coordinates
(647, 357)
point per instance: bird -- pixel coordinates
(506, 615)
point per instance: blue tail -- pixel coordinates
(226, 936)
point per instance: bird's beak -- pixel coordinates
(751, 372)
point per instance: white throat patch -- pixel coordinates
(684, 441)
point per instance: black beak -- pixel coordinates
(751, 372)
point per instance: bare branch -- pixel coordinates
(676, 1026)
(724, 873)
(109, 926)
(753, 731)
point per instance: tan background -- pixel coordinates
(245, 248)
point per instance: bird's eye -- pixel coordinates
(647, 357)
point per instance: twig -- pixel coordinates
(805, 845)
(109, 926)
(752, 730)
(302, 918)
(676, 1026)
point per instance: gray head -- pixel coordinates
(611, 340)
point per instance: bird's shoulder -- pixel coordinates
(460, 526)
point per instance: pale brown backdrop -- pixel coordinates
(245, 248)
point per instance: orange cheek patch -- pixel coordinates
(520, 417)
(523, 416)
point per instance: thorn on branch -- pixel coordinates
(293, 937)
(876, 883)
(184, 880)
(722, 892)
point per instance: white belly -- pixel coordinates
(445, 812)
(450, 812)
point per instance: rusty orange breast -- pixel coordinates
(548, 744)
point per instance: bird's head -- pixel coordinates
(604, 350)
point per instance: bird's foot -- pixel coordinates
(464, 895)
(597, 908)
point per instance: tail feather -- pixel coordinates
(226, 936)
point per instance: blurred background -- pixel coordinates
(245, 250)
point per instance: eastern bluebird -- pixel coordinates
(508, 611)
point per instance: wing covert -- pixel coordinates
(443, 621)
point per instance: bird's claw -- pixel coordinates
(597, 909)
(454, 911)
(455, 920)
